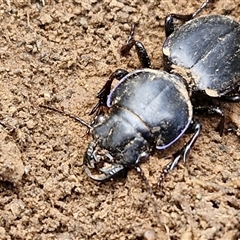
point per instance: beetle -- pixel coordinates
(147, 109)
(207, 51)
(195, 52)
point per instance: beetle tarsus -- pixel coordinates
(140, 49)
(194, 127)
(105, 91)
(169, 20)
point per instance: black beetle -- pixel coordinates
(152, 108)
(148, 108)
(206, 51)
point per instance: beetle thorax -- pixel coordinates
(101, 164)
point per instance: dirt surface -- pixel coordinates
(61, 53)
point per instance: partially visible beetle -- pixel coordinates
(206, 50)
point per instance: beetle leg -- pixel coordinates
(208, 110)
(125, 49)
(140, 49)
(231, 98)
(105, 91)
(194, 127)
(169, 20)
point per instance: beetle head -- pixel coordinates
(101, 164)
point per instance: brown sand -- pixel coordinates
(62, 53)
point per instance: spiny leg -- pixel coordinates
(195, 127)
(105, 91)
(140, 49)
(169, 20)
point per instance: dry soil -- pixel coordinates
(60, 53)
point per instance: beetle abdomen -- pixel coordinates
(209, 47)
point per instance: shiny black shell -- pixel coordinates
(208, 49)
(148, 108)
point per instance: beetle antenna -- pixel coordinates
(68, 115)
(154, 203)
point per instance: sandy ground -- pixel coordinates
(61, 53)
